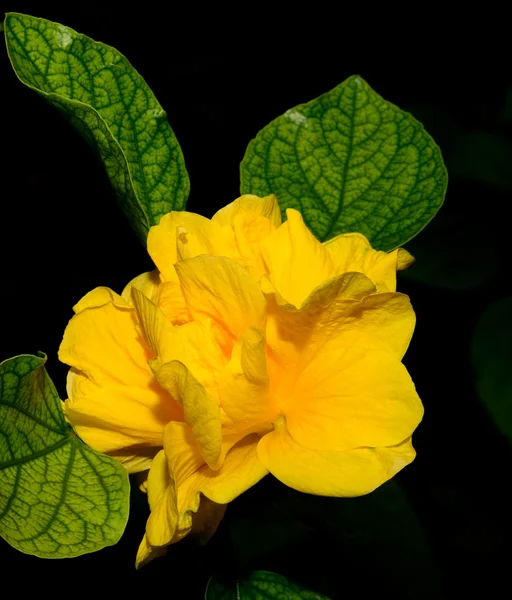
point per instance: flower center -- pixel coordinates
(280, 423)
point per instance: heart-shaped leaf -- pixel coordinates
(349, 161)
(58, 497)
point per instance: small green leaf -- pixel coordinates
(58, 497)
(111, 105)
(259, 585)
(349, 161)
(491, 355)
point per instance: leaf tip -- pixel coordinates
(357, 81)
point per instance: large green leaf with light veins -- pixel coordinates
(259, 585)
(349, 161)
(111, 105)
(58, 497)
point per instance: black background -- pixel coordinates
(62, 234)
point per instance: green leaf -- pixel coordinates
(491, 355)
(103, 96)
(259, 585)
(58, 497)
(349, 161)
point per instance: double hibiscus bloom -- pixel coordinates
(252, 348)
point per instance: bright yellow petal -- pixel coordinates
(220, 289)
(338, 312)
(266, 207)
(353, 252)
(182, 451)
(343, 474)
(172, 302)
(383, 322)
(136, 459)
(103, 341)
(244, 390)
(147, 553)
(100, 296)
(347, 251)
(241, 470)
(351, 397)
(382, 267)
(404, 259)
(114, 401)
(200, 409)
(148, 283)
(296, 261)
(115, 418)
(193, 343)
(252, 220)
(162, 499)
(189, 234)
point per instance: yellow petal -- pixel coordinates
(156, 329)
(343, 474)
(351, 397)
(382, 267)
(266, 207)
(193, 343)
(103, 341)
(241, 470)
(116, 417)
(136, 459)
(404, 259)
(296, 261)
(162, 499)
(221, 289)
(100, 296)
(148, 283)
(182, 451)
(172, 302)
(252, 220)
(114, 401)
(338, 312)
(195, 234)
(353, 252)
(200, 410)
(244, 384)
(147, 553)
(383, 322)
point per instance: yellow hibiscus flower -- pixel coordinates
(252, 348)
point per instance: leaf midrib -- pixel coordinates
(17, 462)
(350, 148)
(37, 420)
